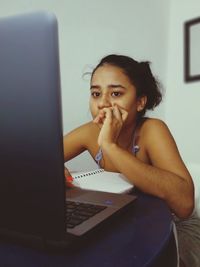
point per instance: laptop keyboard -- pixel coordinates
(79, 212)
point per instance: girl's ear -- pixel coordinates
(141, 103)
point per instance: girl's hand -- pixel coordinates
(111, 121)
(68, 178)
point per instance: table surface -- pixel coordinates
(136, 238)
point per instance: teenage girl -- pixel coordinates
(121, 139)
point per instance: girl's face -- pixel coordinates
(109, 86)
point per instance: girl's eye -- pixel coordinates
(95, 94)
(115, 94)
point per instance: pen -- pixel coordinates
(70, 179)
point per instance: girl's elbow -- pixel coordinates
(187, 209)
(187, 203)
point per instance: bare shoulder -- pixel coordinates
(161, 147)
(160, 144)
(154, 129)
(151, 124)
(163, 154)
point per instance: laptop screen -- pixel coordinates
(32, 187)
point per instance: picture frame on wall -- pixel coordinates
(192, 50)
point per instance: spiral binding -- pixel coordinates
(88, 173)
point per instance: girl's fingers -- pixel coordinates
(67, 173)
(123, 112)
(100, 117)
(103, 114)
(69, 181)
(108, 114)
(68, 178)
(96, 120)
(117, 113)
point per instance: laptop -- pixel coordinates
(35, 204)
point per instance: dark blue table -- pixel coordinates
(142, 236)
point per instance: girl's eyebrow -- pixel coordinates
(110, 86)
(94, 87)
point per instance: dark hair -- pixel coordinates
(140, 75)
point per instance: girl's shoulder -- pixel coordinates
(152, 129)
(152, 124)
(156, 134)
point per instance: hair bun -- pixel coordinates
(145, 67)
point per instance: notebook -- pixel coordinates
(101, 180)
(33, 195)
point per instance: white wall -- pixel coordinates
(182, 99)
(91, 29)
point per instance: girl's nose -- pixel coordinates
(104, 102)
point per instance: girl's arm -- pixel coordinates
(166, 177)
(76, 141)
(74, 144)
